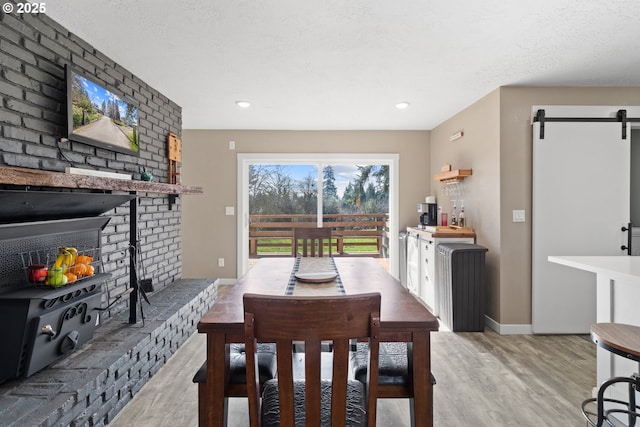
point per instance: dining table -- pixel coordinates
(403, 318)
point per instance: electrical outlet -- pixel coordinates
(220, 262)
(518, 216)
(229, 210)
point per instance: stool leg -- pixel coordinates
(632, 404)
(634, 386)
(600, 402)
(601, 399)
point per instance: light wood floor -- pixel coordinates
(484, 379)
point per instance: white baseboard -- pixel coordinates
(508, 329)
(226, 281)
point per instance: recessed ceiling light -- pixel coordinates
(243, 104)
(402, 105)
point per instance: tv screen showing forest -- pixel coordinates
(99, 117)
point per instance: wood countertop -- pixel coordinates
(442, 231)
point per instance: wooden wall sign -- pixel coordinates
(174, 148)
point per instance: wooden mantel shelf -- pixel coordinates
(41, 178)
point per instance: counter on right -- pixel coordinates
(617, 299)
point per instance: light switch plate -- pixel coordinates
(518, 216)
(229, 210)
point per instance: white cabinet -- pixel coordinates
(413, 263)
(428, 273)
(421, 264)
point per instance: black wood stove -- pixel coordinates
(39, 323)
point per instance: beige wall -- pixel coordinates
(479, 150)
(504, 183)
(208, 234)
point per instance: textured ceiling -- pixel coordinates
(344, 64)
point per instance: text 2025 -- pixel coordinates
(34, 8)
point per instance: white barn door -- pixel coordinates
(581, 200)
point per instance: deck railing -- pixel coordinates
(352, 234)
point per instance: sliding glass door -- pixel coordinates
(355, 194)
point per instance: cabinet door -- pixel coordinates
(427, 274)
(413, 264)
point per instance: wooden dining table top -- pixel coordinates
(401, 313)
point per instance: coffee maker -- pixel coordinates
(429, 212)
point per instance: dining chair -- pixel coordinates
(296, 400)
(311, 238)
(394, 371)
(237, 386)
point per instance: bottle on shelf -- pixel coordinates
(461, 218)
(454, 220)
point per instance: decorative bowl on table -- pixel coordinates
(316, 276)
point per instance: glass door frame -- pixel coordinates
(319, 159)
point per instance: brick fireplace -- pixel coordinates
(90, 384)
(89, 380)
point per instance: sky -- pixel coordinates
(343, 174)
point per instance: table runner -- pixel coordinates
(311, 265)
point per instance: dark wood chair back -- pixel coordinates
(312, 320)
(312, 238)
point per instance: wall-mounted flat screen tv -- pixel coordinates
(98, 116)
